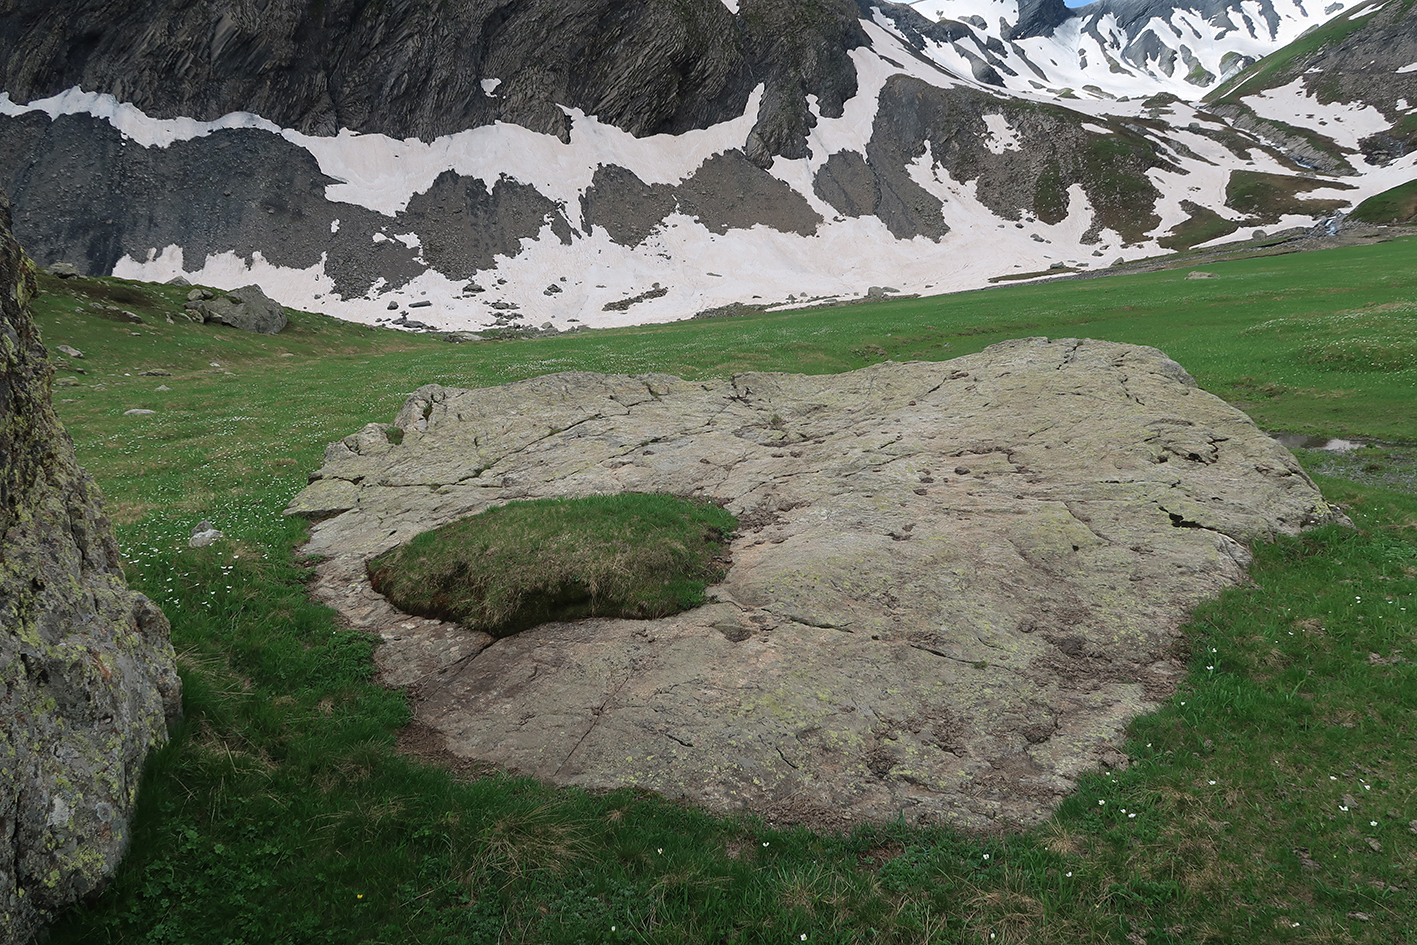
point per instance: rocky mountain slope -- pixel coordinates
(87, 676)
(606, 162)
(1110, 47)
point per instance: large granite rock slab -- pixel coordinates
(953, 586)
(87, 682)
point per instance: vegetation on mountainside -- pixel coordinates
(527, 563)
(1268, 801)
(1394, 205)
(1202, 226)
(1268, 197)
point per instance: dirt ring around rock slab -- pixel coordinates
(953, 586)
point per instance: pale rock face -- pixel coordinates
(953, 585)
(87, 679)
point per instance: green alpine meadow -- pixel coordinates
(1272, 799)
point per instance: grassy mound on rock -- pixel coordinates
(525, 563)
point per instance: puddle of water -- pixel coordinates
(1330, 444)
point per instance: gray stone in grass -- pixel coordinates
(203, 535)
(64, 270)
(155, 372)
(246, 308)
(460, 337)
(180, 281)
(138, 412)
(953, 586)
(200, 295)
(162, 387)
(69, 352)
(1198, 274)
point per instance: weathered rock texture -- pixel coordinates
(953, 585)
(87, 681)
(246, 308)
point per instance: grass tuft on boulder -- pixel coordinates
(512, 567)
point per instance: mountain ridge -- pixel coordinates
(858, 157)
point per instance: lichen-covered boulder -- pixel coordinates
(87, 681)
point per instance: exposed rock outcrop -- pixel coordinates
(87, 681)
(246, 308)
(953, 586)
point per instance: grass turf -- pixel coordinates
(1269, 800)
(522, 564)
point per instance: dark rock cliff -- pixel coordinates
(87, 682)
(414, 68)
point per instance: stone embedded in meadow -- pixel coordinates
(953, 584)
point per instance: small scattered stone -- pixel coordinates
(155, 372)
(138, 412)
(204, 534)
(163, 387)
(180, 281)
(64, 270)
(200, 295)
(70, 352)
(460, 337)
(1198, 274)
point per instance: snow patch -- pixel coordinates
(489, 87)
(1002, 136)
(1412, 67)
(732, 6)
(1344, 122)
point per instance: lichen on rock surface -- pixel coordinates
(952, 587)
(87, 678)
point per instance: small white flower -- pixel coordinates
(804, 936)
(1332, 778)
(765, 843)
(1131, 816)
(1211, 668)
(1343, 808)
(659, 850)
(1372, 823)
(1070, 873)
(1100, 803)
(1210, 782)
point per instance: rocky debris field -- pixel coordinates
(953, 584)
